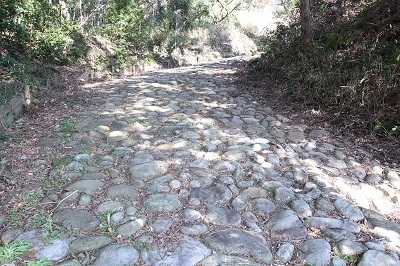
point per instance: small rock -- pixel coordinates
(162, 202)
(89, 244)
(55, 251)
(195, 229)
(222, 216)
(376, 258)
(301, 208)
(188, 251)
(348, 248)
(284, 195)
(325, 222)
(286, 225)
(316, 252)
(79, 219)
(338, 234)
(240, 242)
(3, 220)
(349, 210)
(375, 245)
(191, 215)
(324, 205)
(121, 191)
(149, 170)
(162, 224)
(86, 186)
(109, 206)
(117, 255)
(175, 184)
(10, 235)
(285, 252)
(130, 228)
(372, 178)
(264, 206)
(219, 259)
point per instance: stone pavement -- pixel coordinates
(172, 169)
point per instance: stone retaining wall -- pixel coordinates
(11, 110)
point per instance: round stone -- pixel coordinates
(162, 202)
(117, 255)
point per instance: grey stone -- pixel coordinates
(316, 252)
(394, 179)
(69, 263)
(116, 218)
(263, 205)
(162, 202)
(241, 202)
(49, 142)
(373, 178)
(347, 247)
(85, 186)
(249, 217)
(79, 219)
(122, 191)
(222, 216)
(219, 259)
(295, 136)
(187, 251)
(131, 211)
(89, 243)
(375, 245)
(191, 215)
(256, 192)
(114, 136)
(131, 227)
(117, 255)
(3, 220)
(377, 258)
(219, 194)
(240, 242)
(148, 170)
(301, 208)
(286, 225)
(157, 188)
(358, 172)
(338, 234)
(385, 229)
(175, 184)
(194, 229)
(338, 262)
(93, 176)
(10, 234)
(142, 158)
(85, 200)
(121, 152)
(349, 210)
(162, 224)
(285, 252)
(283, 195)
(57, 250)
(324, 205)
(322, 223)
(109, 206)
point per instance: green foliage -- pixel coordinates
(351, 65)
(9, 253)
(41, 262)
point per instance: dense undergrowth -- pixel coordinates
(352, 66)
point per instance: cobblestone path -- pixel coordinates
(170, 168)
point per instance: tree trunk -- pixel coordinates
(305, 21)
